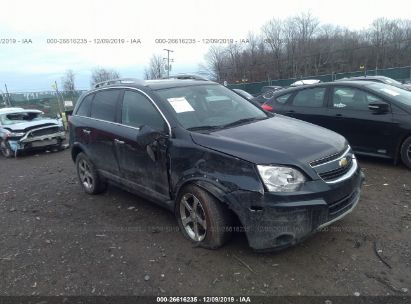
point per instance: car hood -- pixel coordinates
(29, 125)
(277, 140)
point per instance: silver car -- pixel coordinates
(22, 129)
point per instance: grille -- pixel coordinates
(327, 159)
(45, 131)
(336, 173)
(337, 208)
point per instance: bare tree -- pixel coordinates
(101, 74)
(156, 69)
(299, 46)
(67, 81)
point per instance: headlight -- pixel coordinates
(281, 179)
(12, 134)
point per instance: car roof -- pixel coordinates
(353, 83)
(157, 84)
(18, 110)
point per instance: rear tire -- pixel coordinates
(203, 219)
(406, 152)
(88, 176)
(5, 149)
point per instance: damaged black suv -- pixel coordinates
(214, 159)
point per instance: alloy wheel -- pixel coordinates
(85, 174)
(193, 217)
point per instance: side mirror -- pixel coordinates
(148, 136)
(379, 107)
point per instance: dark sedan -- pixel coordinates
(380, 79)
(374, 117)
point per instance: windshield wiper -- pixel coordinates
(200, 128)
(242, 121)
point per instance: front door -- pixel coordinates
(144, 173)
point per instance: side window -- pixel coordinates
(85, 106)
(137, 110)
(283, 98)
(312, 98)
(352, 98)
(104, 105)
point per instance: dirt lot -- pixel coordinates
(57, 240)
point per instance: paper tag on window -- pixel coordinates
(391, 92)
(180, 104)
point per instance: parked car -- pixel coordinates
(210, 156)
(266, 93)
(244, 94)
(22, 130)
(266, 89)
(374, 117)
(304, 82)
(381, 79)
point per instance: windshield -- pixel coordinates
(15, 118)
(399, 95)
(209, 107)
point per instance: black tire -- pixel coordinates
(5, 149)
(216, 216)
(406, 152)
(88, 176)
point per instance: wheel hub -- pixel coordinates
(193, 217)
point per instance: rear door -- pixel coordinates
(144, 174)
(103, 128)
(349, 115)
(308, 104)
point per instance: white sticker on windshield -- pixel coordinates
(391, 92)
(180, 104)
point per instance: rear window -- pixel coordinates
(312, 98)
(85, 106)
(104, 105)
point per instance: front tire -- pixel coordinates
(406, 152)
(88, 176)
(203, 219)
(5, 149)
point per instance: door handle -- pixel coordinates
(339, 115)
(290, 112)
(86, 131)
(119, 142)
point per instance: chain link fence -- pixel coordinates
(401, 74)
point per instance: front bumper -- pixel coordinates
(274, 221)
(28, 143)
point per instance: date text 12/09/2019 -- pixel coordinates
(211, 299)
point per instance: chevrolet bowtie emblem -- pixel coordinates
(343, 162)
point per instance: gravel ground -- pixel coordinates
(56, 240)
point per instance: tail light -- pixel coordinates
(267, 107)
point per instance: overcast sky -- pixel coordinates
(35, 66)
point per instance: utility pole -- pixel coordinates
(168, 61)
(7, 96)
(58, 97)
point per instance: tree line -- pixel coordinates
(301, 46)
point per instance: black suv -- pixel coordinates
(213, 158)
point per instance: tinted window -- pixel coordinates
(283, 98)
(399, 95)
(85, 106)
(138, 110)
(104, 105)
(309, 98)
(352, 98)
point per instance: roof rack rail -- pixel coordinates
(119, 80)
(186, 76)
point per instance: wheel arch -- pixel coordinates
(397, 156)
(75, 150)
